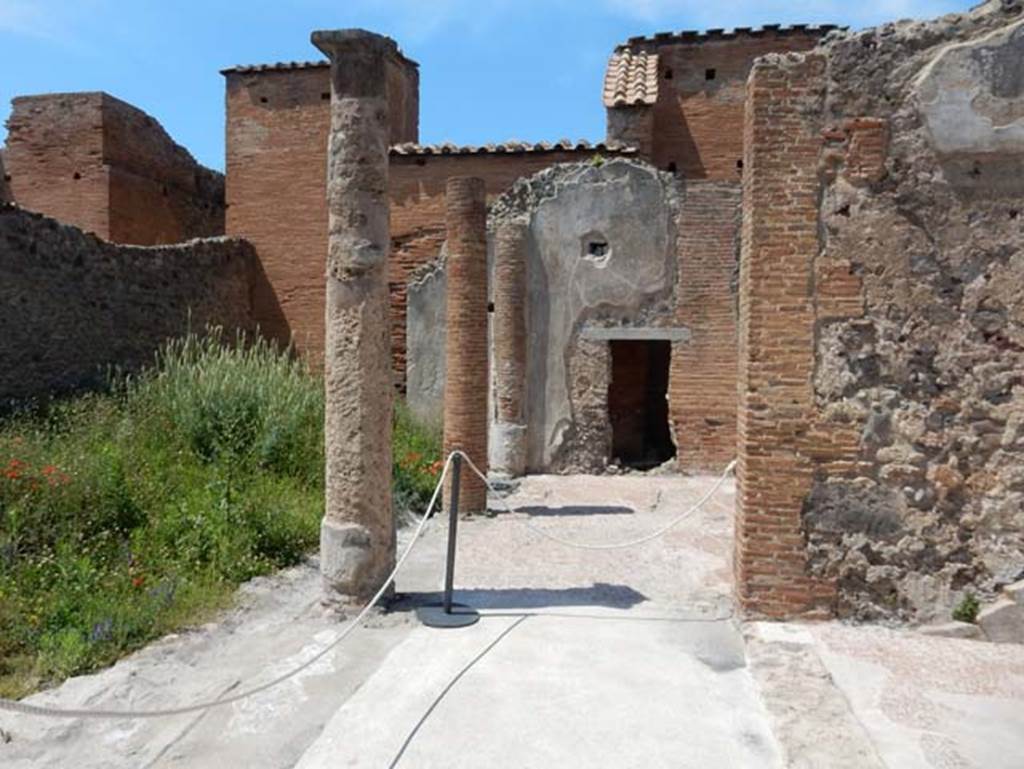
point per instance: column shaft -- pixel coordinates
(508, 439)
(357, 540)
(465, 397)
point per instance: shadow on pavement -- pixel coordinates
(574, 510)
(600, 594)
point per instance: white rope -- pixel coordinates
(612, 546)
(39, 710)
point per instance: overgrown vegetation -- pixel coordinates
(416, 464)
(127, 514)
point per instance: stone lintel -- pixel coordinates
(638, 333)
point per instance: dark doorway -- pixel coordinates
(638, 403)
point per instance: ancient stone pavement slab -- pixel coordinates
(930, 703)
(603, 688)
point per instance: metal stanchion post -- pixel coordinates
(447, 613)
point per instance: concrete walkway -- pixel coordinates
(583, 658)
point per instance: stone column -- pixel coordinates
(465, 395)
(508, 439)
(357, 537)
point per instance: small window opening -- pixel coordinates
(739, 165)
(671, 167)
(263, 100)
(490, 307)
(326, 96)
(597, 247)
(669, 73)
(76, 175)
(710, 74)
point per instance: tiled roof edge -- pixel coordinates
(700, 36)
(511, 147)
(284, 66)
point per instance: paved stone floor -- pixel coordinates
(583, 658)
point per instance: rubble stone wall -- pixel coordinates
(72, 305)
(885, 459)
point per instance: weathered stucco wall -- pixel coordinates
(72, 305)
(601, 251)
(900, 411)
(426, 335)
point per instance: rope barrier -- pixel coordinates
(612, 546)
(39, 710)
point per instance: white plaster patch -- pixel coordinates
(971, 95)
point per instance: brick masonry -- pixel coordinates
(466, 348)
(277, 121)
(702, 385)
(695, 126)
(881, 336)
(72, 305)
(100, 164)
(776, 341)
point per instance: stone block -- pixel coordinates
(953, 630)
(1003, 621)
(1015, 592)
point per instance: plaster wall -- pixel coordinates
(601, 251)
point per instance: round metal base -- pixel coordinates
(434, 615)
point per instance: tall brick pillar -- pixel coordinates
(357, 537)
(508, 439)
(781, 192)
(465, 394)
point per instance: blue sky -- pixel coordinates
(490, 69)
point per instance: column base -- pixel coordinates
(349, 563)
(507, 449)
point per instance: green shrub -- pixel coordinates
(967, 610)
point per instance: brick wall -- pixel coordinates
(276, 140)
(94, 161)
(54, 156)
(71, 304)
(277, 125)
(776, 436)
(702, 387)
(697, 119)
(276, 168)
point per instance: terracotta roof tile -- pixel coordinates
(511, 147)
(276, 66)
(279, 66)
(631, 78)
